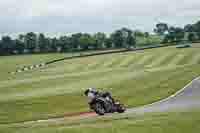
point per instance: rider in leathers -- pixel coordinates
(91, 93)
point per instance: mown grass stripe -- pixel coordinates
(176, 59)
(60, 67)
(158, 60)
(71, 86)
(117, 62)
(168, 59)
(127, 61)
(98, 64)
(186, 59)
(195, 59)
(54, 80)
(152, 59)
(139, 60)
(90, 65)
(109, 61)
(136, 58)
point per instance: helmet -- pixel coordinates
(86, 92)
(89, 90)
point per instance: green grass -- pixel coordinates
(165, 122)
(136, 78)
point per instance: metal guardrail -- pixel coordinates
(110, 52)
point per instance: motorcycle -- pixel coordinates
(102, 105)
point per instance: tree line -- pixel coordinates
(174, 34)
(39, 43)
(121, 38)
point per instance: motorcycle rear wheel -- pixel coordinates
(121, 109)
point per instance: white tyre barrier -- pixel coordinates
(12, 73)
(27, 68)
(42, 65)
(19, 71)
(37, 66)
(31, 67)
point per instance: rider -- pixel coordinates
(91, 93)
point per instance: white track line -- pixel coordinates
(130, 110)
(166, 99)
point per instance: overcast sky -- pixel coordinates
(94, 15)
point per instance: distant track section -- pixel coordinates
(110, 52)
(28, 68)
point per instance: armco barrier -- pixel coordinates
(110, 52)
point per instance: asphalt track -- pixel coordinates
(186, 98)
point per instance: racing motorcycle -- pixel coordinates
(102, 105)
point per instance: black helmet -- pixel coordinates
(89, 90)
(86, 92)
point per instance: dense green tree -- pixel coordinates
(19, 46)
(161, 28)
(179, 34)
(21, 38)
(189, 28)
(87, 41)
(100, 39)
(1, 49)
(146, 34)
(75, 41)
(65, 43)
(108, 43)
(191, 37)
(7, 45)
(131, 42)
(42, 43)
(197, 29)
(50, 43)
(123, 38)
(118, 37)
(193, 28)
(126, 35)
(198, 35)
(129, 38)
(20, 43)
(54, 44)
(31, 41)
(197, 26)
(176, 34)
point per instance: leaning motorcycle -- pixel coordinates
(102, 106)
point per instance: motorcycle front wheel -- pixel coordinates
(99, 109)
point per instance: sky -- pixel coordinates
(91, 16)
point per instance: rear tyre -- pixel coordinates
(121, 109)
(99, 109)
